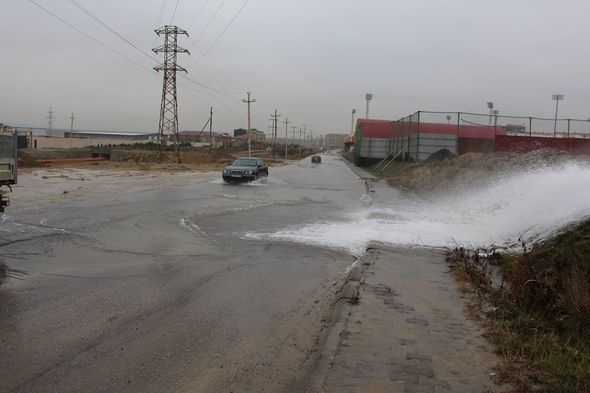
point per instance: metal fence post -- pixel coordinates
(402, 130)
(530, 126)
(495, 130)
(568, 127)
(457, 136)
(418, 139)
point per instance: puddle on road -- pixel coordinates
(530, 205)
(8, 225)
(255, 183)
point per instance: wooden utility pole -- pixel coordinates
(211, 141)
(275, 118)
(71, 129)
(249, 101)
(293, 133)
(286, 135)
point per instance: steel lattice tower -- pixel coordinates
(169, 108)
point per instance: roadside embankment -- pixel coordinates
(401, 327)
(473, 170)
(537, 309)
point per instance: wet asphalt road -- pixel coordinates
(158, 291)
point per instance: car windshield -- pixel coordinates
(245, 162)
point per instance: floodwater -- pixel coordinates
(528, 206)
(141, 281)
(152, 282)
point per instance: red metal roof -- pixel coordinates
(373, 128)
(463, 131)
(399, 129)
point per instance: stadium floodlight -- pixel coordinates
(556, 98)
(491, 108)
(368, 98)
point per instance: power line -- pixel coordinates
(198, 14)
(95, 18)
(174, 13)
(89, 36)
(162, 10)
(208, 23)
(91, 15)
(223, 32)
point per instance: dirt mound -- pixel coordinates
(474, 169)
(440, 155)
(27, 160)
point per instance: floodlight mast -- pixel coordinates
(368, 98)
(556, 98)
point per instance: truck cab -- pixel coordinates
(8, 166)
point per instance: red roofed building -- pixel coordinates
(203, 137)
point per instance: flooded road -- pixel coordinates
(160, 288)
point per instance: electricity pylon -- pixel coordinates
(169, 107)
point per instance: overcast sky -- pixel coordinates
(313, 60)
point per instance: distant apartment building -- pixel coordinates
(256, 135)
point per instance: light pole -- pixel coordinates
(556, 98)
(368, 98)
(491, 108)
(352, 122)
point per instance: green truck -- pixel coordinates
(8, 166)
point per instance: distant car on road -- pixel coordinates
(245, 168)
(316, 159)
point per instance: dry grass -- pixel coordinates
(473, 169)
(538, 310)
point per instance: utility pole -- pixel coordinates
(249, 101)
(71, 124)
(211, 128)
(293, 133)
(276, 128)
(286, 135)
(50, 118)
(169, 106)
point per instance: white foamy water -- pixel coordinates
(190, 226)
(533, 205)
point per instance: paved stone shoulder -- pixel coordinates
(408, 333)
